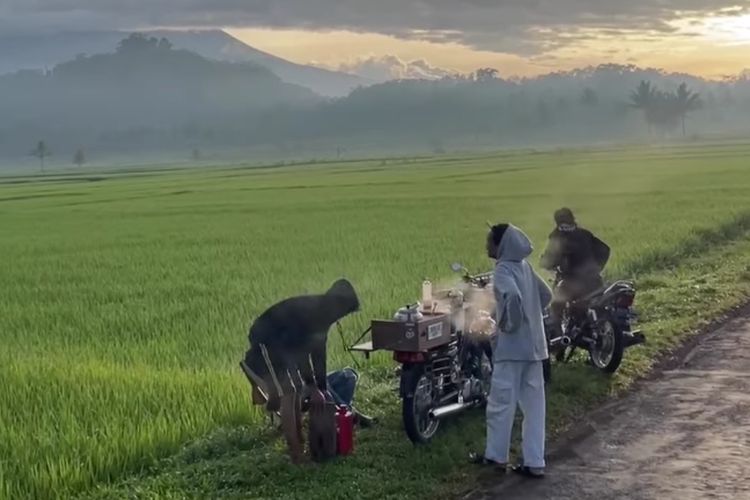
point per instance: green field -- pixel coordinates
(126, 297)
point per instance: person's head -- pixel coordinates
(564, 217)
(494, 237)
(344, 293)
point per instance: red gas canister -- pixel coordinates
(344, 430)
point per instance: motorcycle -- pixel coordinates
(440, 379)
(601, 323)
(455, 377)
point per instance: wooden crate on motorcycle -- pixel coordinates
(433, 330)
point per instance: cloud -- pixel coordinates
(513, 26)
(391, 67)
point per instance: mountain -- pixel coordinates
(144, 94)
(219, 45)
(145, 98)
(40, 51)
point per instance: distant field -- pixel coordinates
(126, 296)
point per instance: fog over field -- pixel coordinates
(143, 98)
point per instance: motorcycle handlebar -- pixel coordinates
(481, 280)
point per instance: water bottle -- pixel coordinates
(426, 295)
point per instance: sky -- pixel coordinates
(434, 37)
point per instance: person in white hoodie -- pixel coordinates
(518, 352)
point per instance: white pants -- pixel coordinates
(516, 383)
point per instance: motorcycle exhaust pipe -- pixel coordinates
(448, 410)
(564, 341)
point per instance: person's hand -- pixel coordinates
(483, 323)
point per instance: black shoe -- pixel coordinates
(530, 472)
(363, 421)
(480, 459)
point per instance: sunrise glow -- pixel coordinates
(734, 29)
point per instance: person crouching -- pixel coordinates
(287, 356)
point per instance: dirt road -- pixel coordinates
(684, 436)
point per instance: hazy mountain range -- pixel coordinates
(44, 51)
(141, 97)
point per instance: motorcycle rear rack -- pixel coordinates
(364, 348)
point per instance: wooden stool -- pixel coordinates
(290, 413)
(291, 426)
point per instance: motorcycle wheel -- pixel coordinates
(417, 404)
(609, 349)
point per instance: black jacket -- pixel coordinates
(575, 251)
(294, 334)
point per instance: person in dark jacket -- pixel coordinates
(287, 355)
(577, 256)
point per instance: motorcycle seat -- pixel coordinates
(603, 291)
(596, 293)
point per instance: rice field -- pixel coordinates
(126, 295)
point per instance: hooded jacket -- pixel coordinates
(521, 296)
(576, 251)
(288, 341)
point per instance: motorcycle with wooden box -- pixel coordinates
(444, 347)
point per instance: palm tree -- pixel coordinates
(644, 98)
(686, 101)
(664, 112)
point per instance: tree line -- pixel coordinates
(147, 98)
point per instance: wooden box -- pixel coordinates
(433, 330)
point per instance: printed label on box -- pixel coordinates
(435, 331)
